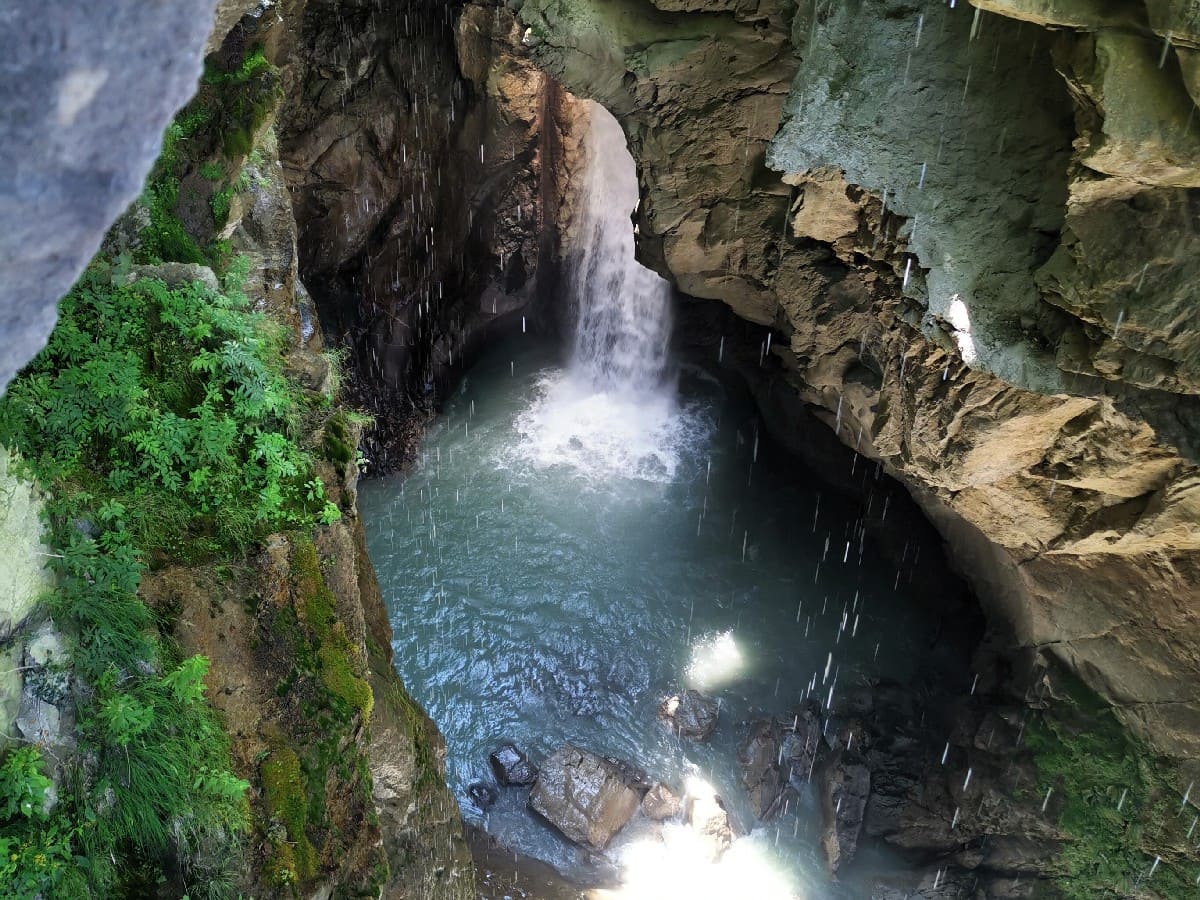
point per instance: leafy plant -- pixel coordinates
(22, 784)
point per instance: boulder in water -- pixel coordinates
(482, 795)
(584, 796)
(801, 746)
(690, 715)
(758, 757)
(661, 803)
(708, 819)
(512, 767)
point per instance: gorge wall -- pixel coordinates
(932, 211)
(969, 233)
(426, 162)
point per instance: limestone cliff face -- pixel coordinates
(968, 239)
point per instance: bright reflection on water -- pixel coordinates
(559, 561)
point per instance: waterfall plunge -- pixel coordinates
(623, 323)
(613, 412)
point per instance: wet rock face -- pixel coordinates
(420, 149)
(777, 759)
(88, 91)
(934, 323)
(584, 796)
(690, 715)
(661, 803)
(845, 789)
(511, 767)
(758, 757)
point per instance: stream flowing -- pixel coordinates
(583, 537)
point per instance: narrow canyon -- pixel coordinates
(609, 449)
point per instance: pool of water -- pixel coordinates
(558, 561)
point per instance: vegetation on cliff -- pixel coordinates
(163, 429)
(1129, 827)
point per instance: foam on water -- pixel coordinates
(607, 434)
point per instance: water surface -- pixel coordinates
(561, 559)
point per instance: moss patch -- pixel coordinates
(1122, 807)
(339, 671)
(336, 441)
(283, 789)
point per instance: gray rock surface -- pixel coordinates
(511, 766)
(88, 89)
(661, 803)
(690, 715)
(584, 796)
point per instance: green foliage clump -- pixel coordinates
(168, 407)
(36, 857)
(249, 93)
(253, 66)
(283, 788)
(165, 238)
(211, 136)
(1120, 809)
(161, 423)
(337, 440)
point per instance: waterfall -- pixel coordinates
(623, 324)
(614, 412)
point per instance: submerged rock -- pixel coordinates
(690, 715)
(512, 767)
(484, 796)
(584, 796)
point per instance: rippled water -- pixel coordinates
(558, 562)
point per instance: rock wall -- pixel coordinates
(925, 216)
(380, 820)
(421, 163)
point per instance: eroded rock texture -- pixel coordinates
(88, 90)
(421, 160)
(969, 239)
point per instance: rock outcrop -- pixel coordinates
(424, 156)
(690, 715)
(511, 767)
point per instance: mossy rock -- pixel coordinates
(283, 790)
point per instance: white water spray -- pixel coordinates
(613, 412)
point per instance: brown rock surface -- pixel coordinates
(584, 796)
(1070, 500)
